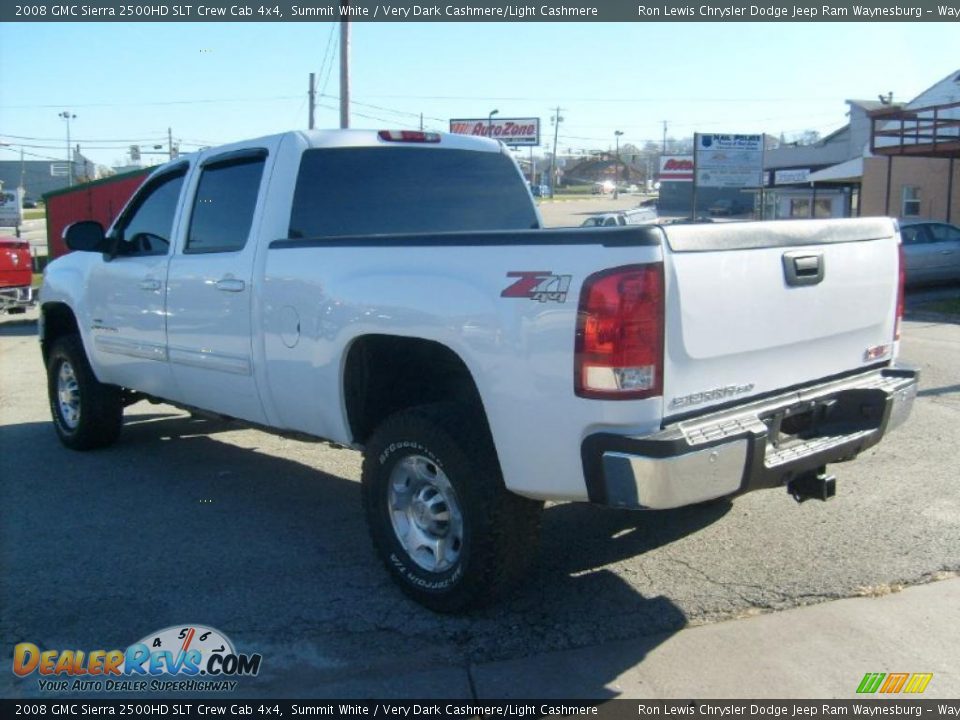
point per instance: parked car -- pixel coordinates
(605, 220)
(723, 208)
(637, 216)
(16, 275)
(931, 251)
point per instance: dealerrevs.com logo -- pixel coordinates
(177, 658)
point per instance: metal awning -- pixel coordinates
(845, 172)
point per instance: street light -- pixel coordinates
(490, 123)
(68, 116)
(616, 175)
(555, 121)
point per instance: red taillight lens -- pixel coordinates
(409, 136)
(902, 272)
(619, 348)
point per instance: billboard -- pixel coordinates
(510, 131)
(11, 202)
(676, 168)
(729, 161)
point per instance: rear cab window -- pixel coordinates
(399, 190)
(225, 201)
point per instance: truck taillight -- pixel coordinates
(619, 346)
(409, 136)
(902, 281)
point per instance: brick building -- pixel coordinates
(911, 170)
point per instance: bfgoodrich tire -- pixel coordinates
(87, 414)
(447, 529)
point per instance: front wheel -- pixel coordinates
(86, 413)
(447, 529)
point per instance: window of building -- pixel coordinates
(823, 208)
(911, 201)
(224, 204)
(799, 207)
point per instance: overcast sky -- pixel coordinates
(220, 82)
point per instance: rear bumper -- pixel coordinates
(766, 443)
(13, 298)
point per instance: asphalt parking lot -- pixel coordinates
(193, 521)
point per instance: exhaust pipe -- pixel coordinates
(814, 485)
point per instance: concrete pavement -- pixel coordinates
(821, 651)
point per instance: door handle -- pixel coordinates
(802, 268)
(149, 284)
(946, 252)
(231, 285)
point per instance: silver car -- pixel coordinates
(931, 250)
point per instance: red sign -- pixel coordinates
(676, 168)
(511, 131)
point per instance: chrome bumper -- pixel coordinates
(740, 449)
(14, 298)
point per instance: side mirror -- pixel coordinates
(86, 236)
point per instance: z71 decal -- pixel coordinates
(540, 285)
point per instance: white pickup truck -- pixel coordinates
(396, 292)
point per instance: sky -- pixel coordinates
(213, 83)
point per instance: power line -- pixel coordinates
(89, 140)
(208, 101)
(620, 99)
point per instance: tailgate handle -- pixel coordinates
(803, 268)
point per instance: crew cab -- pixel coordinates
(395, 292)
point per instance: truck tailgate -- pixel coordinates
(758, 307)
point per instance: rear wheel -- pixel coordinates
(87, 414)
(447, 529)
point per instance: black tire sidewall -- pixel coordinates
(101, 408)
(399, 438)
(61, 353)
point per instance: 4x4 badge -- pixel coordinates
(540, 285)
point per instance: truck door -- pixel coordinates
(210, 287)
(125, 292)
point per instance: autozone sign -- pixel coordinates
(510, 131)
(676, 168)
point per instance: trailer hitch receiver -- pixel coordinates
(814, 485)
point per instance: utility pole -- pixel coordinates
(169, 143)
(616, 175)
(345, 67)
(421, 122)
(68, 116)
(664, 152)
(556, 120)
(311, 92)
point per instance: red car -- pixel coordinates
(16, 275)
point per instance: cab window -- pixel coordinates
(148, 226)
(224, 204)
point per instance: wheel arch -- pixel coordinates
(57, 320)
(384, 374)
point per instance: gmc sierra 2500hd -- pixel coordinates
(395, 291)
